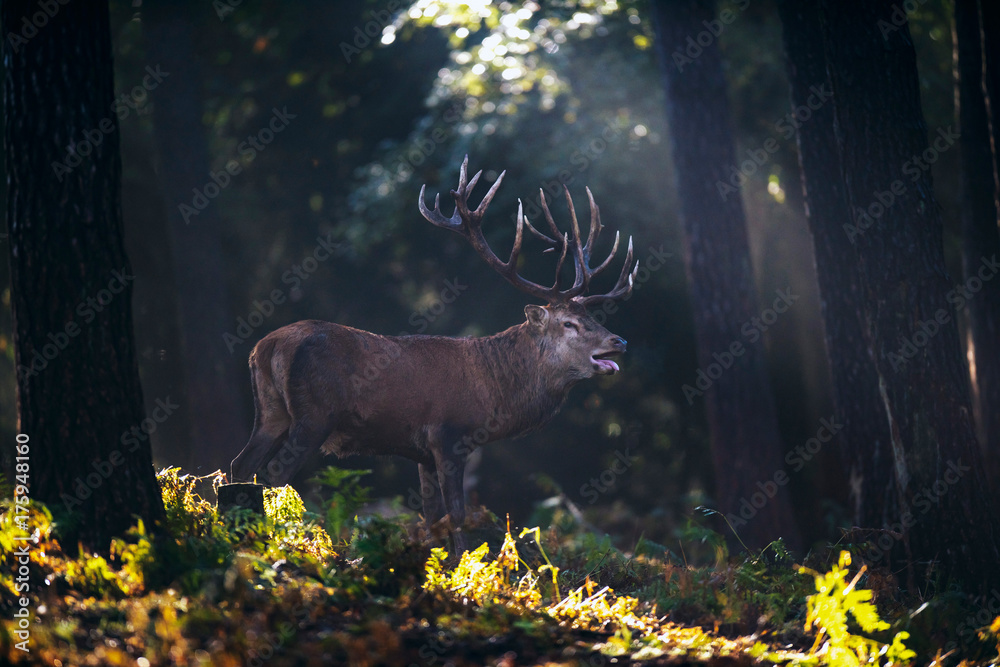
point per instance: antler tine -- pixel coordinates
(580, 262)
(541, 236)
(607, 261)
(463, 172)
(475, 179)
(468, 223)
(436, 217)
(622, 289)
(518, 236)
(595, 228)
(484, 204)
(559, 264)
(548, 215)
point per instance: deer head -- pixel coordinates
(571, 339)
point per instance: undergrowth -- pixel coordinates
(318, 584)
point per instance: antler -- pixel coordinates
(468, 223)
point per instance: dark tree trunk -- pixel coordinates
(864, 439)
(980, 238)
(944, 513)
(746, 446)
(78, 383)
(213, 375)
(989, 14)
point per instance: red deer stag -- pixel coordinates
(437, 391)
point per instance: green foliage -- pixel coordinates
(639, 632)
(835, 598)
(245, 577)
(283, 504)
(347, 496)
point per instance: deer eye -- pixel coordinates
(571, 325)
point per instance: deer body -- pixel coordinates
(431, 399)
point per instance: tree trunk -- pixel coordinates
(750, 479)
(864, 439)
(944, 514)
(989, 15)
(213, 375)
(79, 396)
(980, 238)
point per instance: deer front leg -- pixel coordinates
(430, 493)
(449, 459)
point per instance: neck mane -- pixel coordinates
(519, 380)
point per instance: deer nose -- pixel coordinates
(618, 341)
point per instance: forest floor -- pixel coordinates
(242, 589)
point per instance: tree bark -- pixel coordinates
(211, 400)
(980, 238)
(746, 446)
(79, 395)
(864, 440)
(943, 513)
(989, 14)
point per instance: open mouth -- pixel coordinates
(604, 364)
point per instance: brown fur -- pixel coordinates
(432, 399)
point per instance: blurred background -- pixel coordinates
(235, 227)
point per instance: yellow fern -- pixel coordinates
(827, 611)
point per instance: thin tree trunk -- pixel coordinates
(944, 514)
(864, 439)
(980, 238)
(213, 375)
(79, 395)
(746, 446)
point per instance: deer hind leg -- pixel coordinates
(270, 426)
(305, 436)
(430, 493)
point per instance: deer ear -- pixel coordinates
(537, 316)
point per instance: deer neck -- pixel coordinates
(519, 381)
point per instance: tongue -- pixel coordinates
(607, 364)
